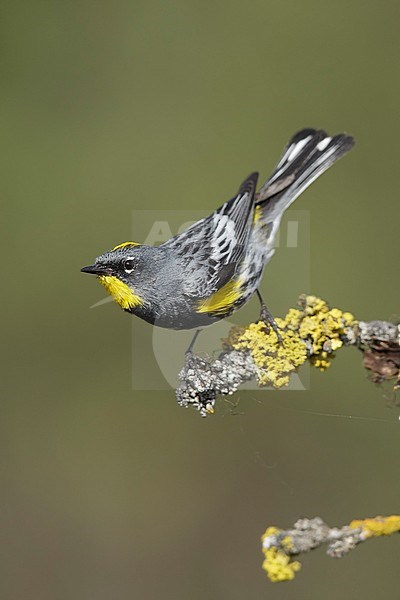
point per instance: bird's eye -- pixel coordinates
(129, 265)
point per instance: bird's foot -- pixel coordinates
(270, 322)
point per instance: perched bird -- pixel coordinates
(214, 267)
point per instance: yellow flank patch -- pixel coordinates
(257, 213)
(222, 300)
(124, 245)
(121, 292)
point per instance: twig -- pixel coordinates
(279, 545)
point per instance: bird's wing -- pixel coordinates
(210, 250)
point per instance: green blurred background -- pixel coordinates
(107, 108)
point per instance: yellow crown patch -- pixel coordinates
(124, 245)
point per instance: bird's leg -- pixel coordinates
(268, 319)
(190, 349)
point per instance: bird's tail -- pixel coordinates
(308, 154)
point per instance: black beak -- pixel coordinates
(96, 270)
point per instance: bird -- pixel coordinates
(210, 270)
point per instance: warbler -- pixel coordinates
(215, 266)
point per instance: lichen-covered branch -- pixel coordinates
(279, 546)
(312, 332)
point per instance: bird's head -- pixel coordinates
(119, 271)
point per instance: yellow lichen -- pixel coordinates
(312, 305)
(314, 330)
(322, 327)
(321, 360)
(287, 543)
(293, 318)
(278, 565)
(378, 525)
(335, 344)
(348, 318)
(270, 531)
(274, 361)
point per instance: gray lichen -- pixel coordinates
(203, 379)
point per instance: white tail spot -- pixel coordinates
(323, 143)
(297, 149)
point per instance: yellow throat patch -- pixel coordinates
(222, 300)
(121, 292)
